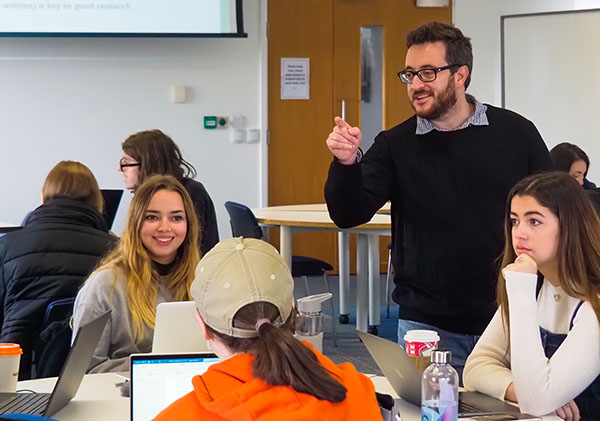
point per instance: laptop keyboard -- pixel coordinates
(26, 403)
(467, 408)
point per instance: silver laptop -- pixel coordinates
(176, 329)
(405, 379)
(158, 380)
(68, 382)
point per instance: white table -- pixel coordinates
(96, 400)
(303, 218)
(412, 412)
(321, 207)
(99, 400)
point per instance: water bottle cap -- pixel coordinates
(312, 303)
(441, 357)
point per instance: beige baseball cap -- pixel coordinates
(237, 272)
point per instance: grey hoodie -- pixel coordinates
(105, 290)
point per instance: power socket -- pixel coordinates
(238, 136)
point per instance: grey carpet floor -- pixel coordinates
(349, 348)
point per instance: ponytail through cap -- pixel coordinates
(261, 322)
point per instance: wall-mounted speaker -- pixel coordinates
(433, 3)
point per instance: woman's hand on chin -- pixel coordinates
(523, 264)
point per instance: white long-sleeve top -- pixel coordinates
(542, 385)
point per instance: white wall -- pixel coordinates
(480, 20)
(78, 99)
(541, 55)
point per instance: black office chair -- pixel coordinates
(244, 224)
(51, 348)
(58, 311)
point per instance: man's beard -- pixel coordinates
(442, 104)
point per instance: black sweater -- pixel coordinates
(448, 192)
(205, 211)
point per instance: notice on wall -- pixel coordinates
(295, 78)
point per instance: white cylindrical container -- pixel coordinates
(315, 340)
(309, 321)
(10, 357)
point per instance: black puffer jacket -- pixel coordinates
(47, 260)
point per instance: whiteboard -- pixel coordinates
(551, 75)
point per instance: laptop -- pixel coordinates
(405, 379)
(158, 380)
(172, 319)
(112, 199)
(68, 382)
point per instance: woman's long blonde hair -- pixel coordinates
(132, 258)
(578, 251)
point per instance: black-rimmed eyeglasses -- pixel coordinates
(426, 75)
(127, 164)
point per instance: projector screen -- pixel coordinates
(116, 18)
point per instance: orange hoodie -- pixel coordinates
(228, 391)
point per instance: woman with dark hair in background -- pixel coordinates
(60, 244)
(572, 159)
(153, 152)
(244, 297)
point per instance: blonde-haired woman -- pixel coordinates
(154, 262)
(60, 244)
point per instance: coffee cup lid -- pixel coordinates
(10, 349)
(421, 336)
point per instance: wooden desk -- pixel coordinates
(316, 218)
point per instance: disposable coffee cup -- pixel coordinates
(10, 357)
(419, 344)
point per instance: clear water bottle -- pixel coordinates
(439, 389)
(309, 323)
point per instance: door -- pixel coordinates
(343, 40)
(298, 158)
(369, 48)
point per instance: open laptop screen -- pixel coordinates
(175, 317)
(157, 380)
(112, 199)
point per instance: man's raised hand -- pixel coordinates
(343, 141)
